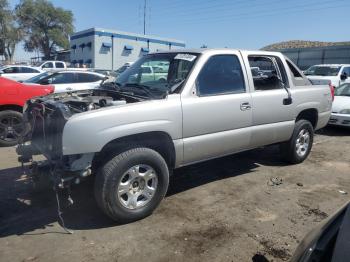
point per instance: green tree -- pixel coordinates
(10, 34)
(47, 27)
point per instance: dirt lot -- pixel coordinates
(222, 210)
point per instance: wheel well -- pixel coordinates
(310, 115)
(158, 141)
(11, 107)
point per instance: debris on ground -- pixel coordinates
(275, 181)
(343, 192)
(300, 184)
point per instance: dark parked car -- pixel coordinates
(330, 241)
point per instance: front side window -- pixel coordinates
(222, 74)
(61, 78)
(11, 70)
(268, 72)
(37, 78)
(48, 65)
(155, 75)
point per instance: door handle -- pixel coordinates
(69, 88)
(245, 106)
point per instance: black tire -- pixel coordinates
(289, 148)
(110, 175)
(10, 138)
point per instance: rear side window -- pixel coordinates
(28, 70)
(59, 65)
(268, 72)
(294, 71)
(222, 74)
(87, 78)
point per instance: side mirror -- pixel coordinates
(343, 76)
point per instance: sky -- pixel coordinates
(245, 24)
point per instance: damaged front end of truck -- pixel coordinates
(45, 119)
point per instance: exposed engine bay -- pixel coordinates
(45, 118)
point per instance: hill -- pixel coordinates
(301, 44)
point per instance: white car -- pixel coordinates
(19, 72)
(335, 74)
(341, 106)
(70, 80)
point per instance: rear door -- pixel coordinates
(59, 65)
(273, 114)
(217, 114)
(85, 81)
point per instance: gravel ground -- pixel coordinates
(221, 210)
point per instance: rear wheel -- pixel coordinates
(132, 184)
(297, 149)
(11, 127)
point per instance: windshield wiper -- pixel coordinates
(144, 88)
(116, 87)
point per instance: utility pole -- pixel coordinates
(144, 17)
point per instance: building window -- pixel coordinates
(128, 47)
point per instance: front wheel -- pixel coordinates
(297, 149)
(132, 184)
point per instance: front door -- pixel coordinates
(217, 119)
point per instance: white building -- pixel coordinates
(96, 47)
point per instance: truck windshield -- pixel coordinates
(154, 75)
(323, 70)
(342, 90)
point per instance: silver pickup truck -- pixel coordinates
(130, 134)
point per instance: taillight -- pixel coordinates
(331, 87)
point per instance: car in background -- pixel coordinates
(37, 78)
(72, 80)
(334, 74)
(51, 65)
(19, 72)
(329, 241)
(13, 96)
(341, 106)
(153, 73)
